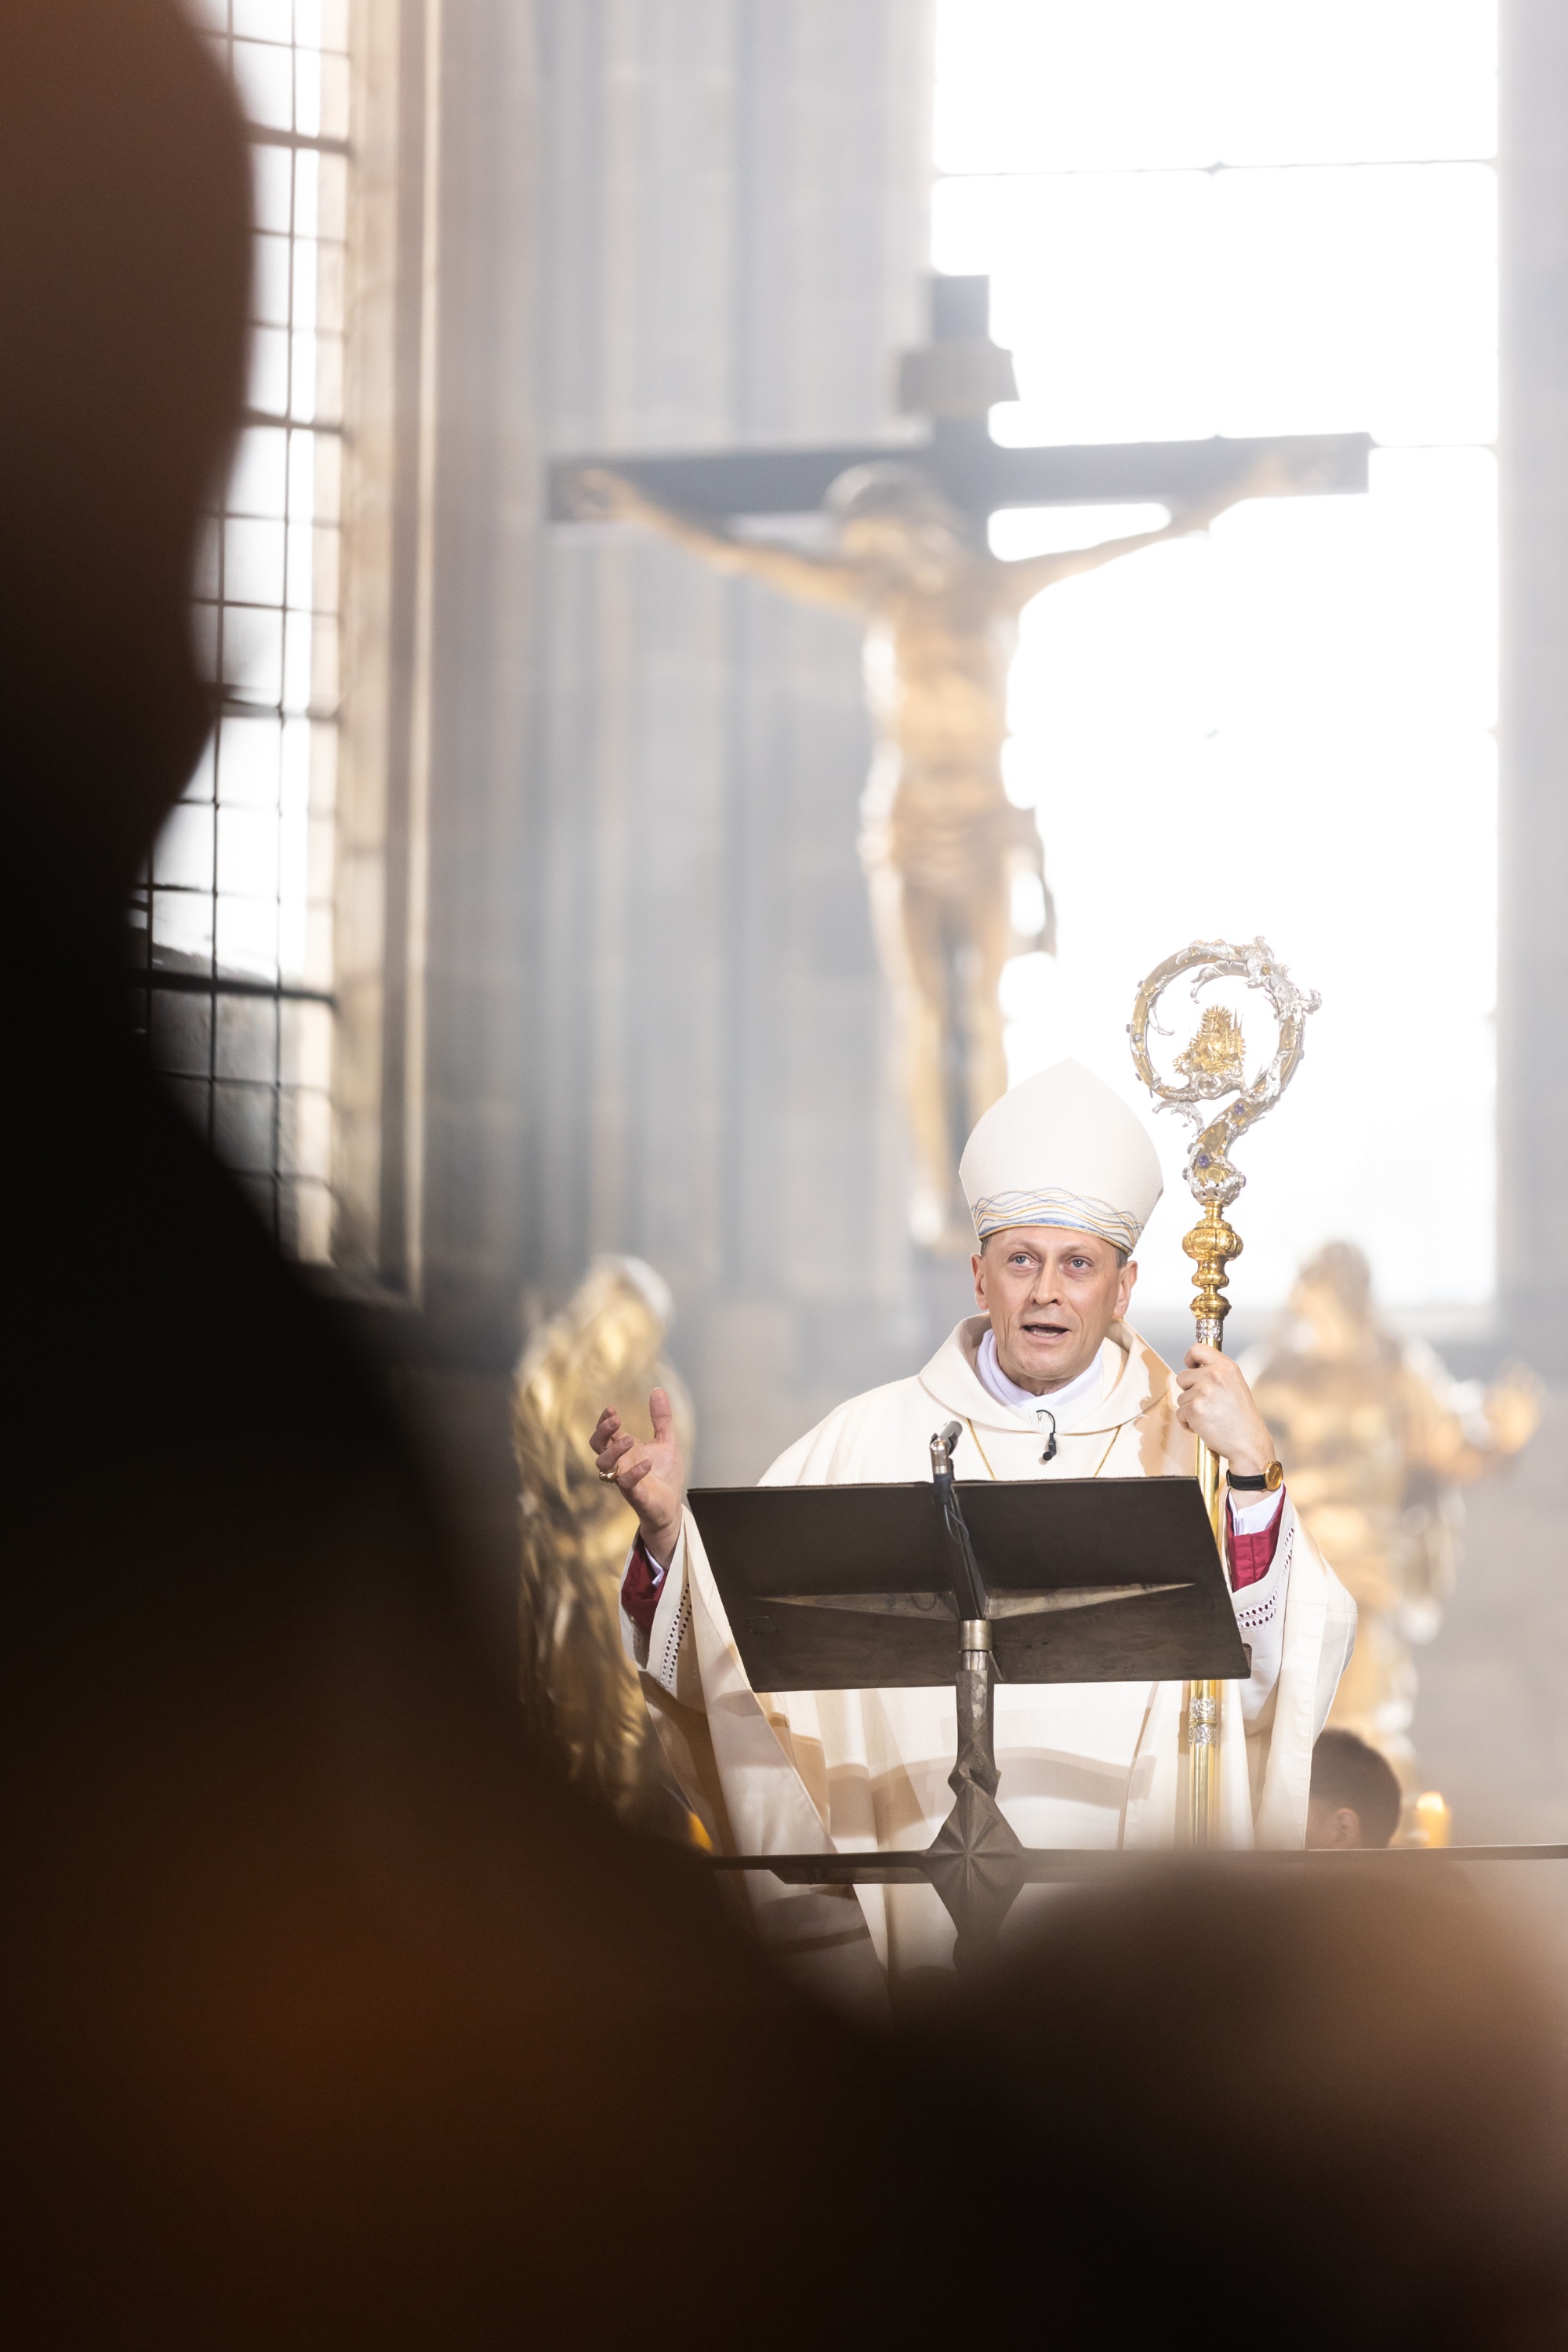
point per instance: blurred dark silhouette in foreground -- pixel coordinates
(1295, 2106)
(322, 2022)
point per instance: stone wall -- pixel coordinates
(655, 1022)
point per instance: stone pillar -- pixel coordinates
(654, 1019)
(1532, 1069)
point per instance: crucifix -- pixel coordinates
(907, 553)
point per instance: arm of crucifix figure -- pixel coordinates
(1270, 478)
(811, 580)
(1028, 575)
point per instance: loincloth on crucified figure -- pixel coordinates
(943, 851)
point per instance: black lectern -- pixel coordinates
(1047, 1581)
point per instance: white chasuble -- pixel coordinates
(1088, 1764)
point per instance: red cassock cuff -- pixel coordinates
(1252, 1557)
(640, 1589)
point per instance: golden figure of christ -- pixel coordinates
(942, 843)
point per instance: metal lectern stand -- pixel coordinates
(974, 1857)
(825, 1634)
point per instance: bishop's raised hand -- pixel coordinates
(650, 1474)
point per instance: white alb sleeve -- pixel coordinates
(1249, 1518)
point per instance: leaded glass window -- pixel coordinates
(236, 915)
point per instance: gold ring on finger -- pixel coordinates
(607, 1476)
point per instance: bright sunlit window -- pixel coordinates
(239, 935)
(1205, 216)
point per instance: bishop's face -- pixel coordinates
(1051, 1296)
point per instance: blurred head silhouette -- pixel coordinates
(124, 216)
(1326, 2108)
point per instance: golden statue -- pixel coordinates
(1376, 1440)
(1218, 1050)
(580, 1690)
(942, 843)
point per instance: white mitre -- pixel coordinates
(1061, 1150)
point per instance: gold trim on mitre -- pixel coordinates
(1074, 1212)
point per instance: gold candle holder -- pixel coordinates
(1213, 1066)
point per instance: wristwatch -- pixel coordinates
(1264, 1482)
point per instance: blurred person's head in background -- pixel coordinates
(1355, 1795)
(124, 269)
(1316, 2112)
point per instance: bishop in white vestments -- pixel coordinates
(1047, 1379)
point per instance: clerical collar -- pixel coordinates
(1060, 1404)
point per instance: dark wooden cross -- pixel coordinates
(954, 381)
